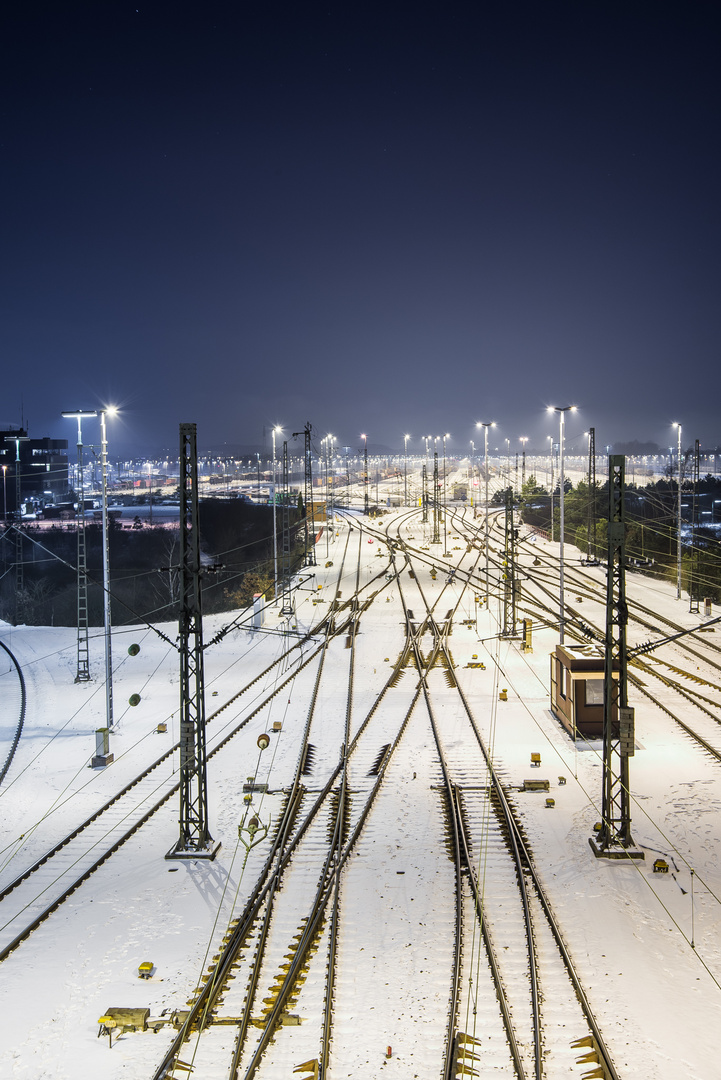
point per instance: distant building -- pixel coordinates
(43, 468)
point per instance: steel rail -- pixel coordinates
(21, 720)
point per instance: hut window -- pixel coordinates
(594, 691)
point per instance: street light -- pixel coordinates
(523, 439)
(405, 469)
(561, 410)
(276, 431)
(678, 523)
(485, 426)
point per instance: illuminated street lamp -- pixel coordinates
(678, 521)
(405, 469)
(561, 410)
(5, 494)
(486, 426)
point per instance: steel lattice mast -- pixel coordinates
(308, 495)
(424, 517)
(509, 571)
(436, 534)
(615, 837)
(694, 577)
(286, 606)
(591, 526)
(195, 840)
(83, 657)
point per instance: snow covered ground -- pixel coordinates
(646, 945)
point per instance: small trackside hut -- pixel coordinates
(577, 689)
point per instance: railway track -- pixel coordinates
(14, 700)
(29, 897)
(294, 910)
(504, 892)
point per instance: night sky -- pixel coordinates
(379, 218)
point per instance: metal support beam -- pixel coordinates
(308, 496)
(591, 555)
(614, 838)
(195, 840)
(509, 570)
(424, 516)
(694, 574)
(83, 665)
(436, 534)
(286, 603)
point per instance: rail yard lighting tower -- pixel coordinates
(5, 493)
(276, 431)
(561, 410)
(83, 658)
(405, 469)
(486, 425)
(678, 518)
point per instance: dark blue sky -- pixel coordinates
(381, 218)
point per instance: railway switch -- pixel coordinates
(503, 696)
(263, 741)
(145, 970)
(536, 760)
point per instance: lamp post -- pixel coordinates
(473, 454)
(110, 411)
(486, 426)
(678, 521)
(276, 431)
(561, 410)
(405, 469)
(5, 494)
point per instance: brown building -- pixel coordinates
(577, 676)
